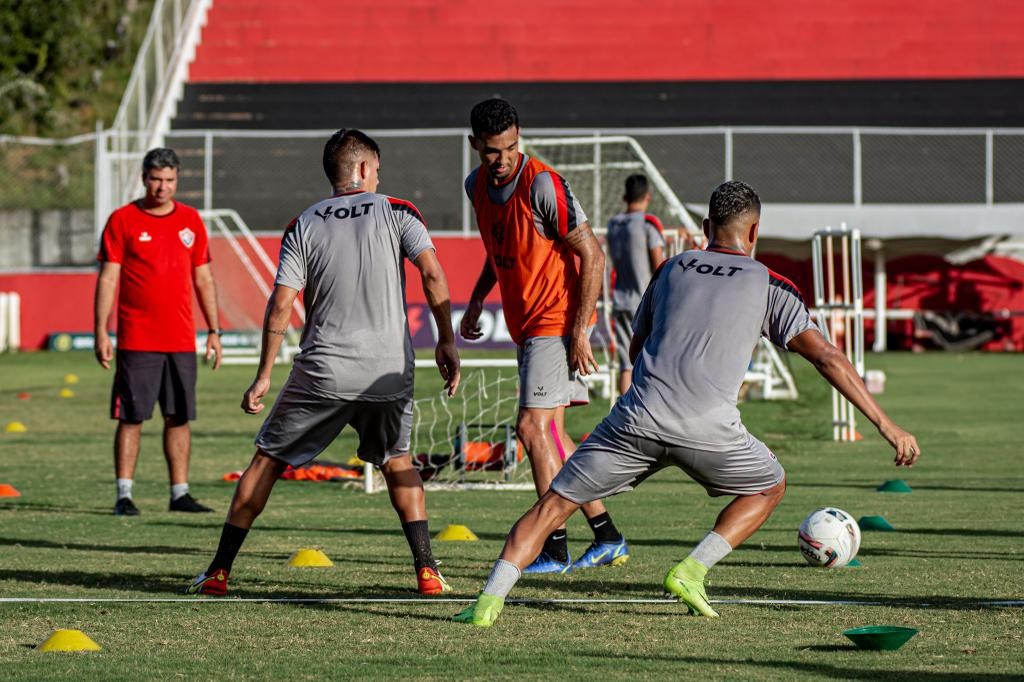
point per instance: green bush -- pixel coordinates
(64, 64)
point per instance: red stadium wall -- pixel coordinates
(271, 41)
(54, 301)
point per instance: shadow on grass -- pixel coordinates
(161, 583)
(956, 603)
(758, 668)
(370, 610)
(870, 487)
(37, 507)
(124, 549)
(173, 584)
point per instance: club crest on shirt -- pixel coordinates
(187, 236)
(145, 237)
(498, 232)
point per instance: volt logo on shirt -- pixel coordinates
(345, 211)
(708, 269)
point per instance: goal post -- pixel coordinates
(245, 279)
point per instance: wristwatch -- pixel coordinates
(218, 332)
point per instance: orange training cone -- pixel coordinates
(8, 490)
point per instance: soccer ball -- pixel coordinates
(829, 537)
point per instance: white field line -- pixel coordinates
(462, 600)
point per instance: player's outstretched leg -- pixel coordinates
(524, 542)
(251, 495)
(533, 427)
(737, 522)
(407, 497)
(609, 547)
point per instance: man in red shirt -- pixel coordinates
(156, 249)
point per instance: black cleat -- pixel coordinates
(125, 507)
(186, 503)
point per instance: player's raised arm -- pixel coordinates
(275, 326)
(469, 327)
(586, 246)
(832, 364)
(435, 286)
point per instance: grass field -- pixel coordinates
(959, 539)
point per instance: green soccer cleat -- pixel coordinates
(483, 612)
(685, 582)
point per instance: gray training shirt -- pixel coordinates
(346, 254)
(631, 236)
(701, 317)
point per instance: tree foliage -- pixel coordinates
(64, 63)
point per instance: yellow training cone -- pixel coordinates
(66, 393)
(309, 558)
(457, 532)
(70, 378)
(15, 427)
(68, 640)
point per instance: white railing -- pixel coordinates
(149, 100)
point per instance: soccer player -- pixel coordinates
(156, 250)
(355, 365)
(693, 335)
(637, 247)
(533, 229)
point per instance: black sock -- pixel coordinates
(231, 539)
(418, 536)
(557, 545)
(604, 529)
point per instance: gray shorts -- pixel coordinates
(622, 321)
(544, 377)
(611, 461)
(300, 427)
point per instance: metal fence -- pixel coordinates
(270, 176)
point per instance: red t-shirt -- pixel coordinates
(157, 255)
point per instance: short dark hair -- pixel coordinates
(730, 200)
(161, 157)
(493, 116)
(636, 188)
(343, 149)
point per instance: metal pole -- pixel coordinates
(989, 169)
(462, 192)
(881, 304)
(858, 169)
(208, 171)
(597, 181)
(98, 186)
(728, 153)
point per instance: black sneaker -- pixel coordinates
(125, 507)
(186, 503)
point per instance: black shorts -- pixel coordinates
(143, 378)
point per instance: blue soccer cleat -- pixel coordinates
(545, 563)
(604, 554)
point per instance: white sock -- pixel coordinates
(124, 488)
(503, 578)
(179, 489)
(712, 549)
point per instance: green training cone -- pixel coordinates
(880, 637)
(894, 486)
(874, 523)
(854, 563)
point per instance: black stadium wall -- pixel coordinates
(997, 102)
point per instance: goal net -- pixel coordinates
(597, 168)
